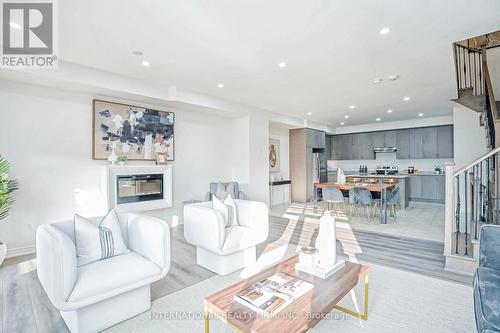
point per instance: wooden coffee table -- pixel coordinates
(299, 316)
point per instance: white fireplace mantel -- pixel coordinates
(111, 172)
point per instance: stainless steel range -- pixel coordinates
(386, 169)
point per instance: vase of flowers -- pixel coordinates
(7, 186)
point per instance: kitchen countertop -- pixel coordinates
(376, 176)
(399, 175)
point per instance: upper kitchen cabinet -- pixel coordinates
(357, 146)
(413, 143)
(403, 144)
(362, 146)
(445, 141)
(431, 142)
(315, 139)
(342, 147)
(390, 139)
(384, 139)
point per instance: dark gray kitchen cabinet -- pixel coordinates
(343, 146)
(429, 187)
(315, 139)
(403, 144)
(440, 191)
(417, 143)
(429, 142)
(328, 147)
(445, 141)
(362, 146)
(390, 139)
(378, 139)
(414, 143)
(415, 187)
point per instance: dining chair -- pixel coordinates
(332, 195)
(361, 197)
(393, 202)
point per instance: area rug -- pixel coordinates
(399, 301)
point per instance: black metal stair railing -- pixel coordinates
(475, 189)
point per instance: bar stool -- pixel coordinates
(391, 180)
(393, 202)
(353, 180)
(371, 180)
(361, 197)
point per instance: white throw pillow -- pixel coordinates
(219, 206)
(223, 191)
(227, 209)
(232, 216)
(98, 240)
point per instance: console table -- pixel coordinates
(280, 183)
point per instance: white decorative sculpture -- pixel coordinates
(327, 243)
(327, 240)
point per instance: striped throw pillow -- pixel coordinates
(97, 240)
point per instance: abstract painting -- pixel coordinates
(274, 155)
(136, 132)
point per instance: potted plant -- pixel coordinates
(7, 186)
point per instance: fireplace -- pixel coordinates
(139, 188)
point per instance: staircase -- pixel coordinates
(473, 192)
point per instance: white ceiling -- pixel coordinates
(333, 50)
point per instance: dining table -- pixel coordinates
(382, 188)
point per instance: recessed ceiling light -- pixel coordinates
(420, 114)
(137, 53)
(346, 116)
(15, 25)
(393, 77)
(342, 124)
(282, 64)
(309, 113)
(384, 31)
(389, 111)
(378, 119)
(352, 106)
(377, 80)
(220, 85)
(406, 99)
(146, 63)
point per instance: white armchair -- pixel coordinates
(225, 250)
(95, 296)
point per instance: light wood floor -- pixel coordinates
(24, 306)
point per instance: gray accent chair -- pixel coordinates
(487, 281)
(237, 194)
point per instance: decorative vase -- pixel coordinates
(327, 240)
(113, 157)
(3, 252)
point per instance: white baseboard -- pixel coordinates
(20, 251)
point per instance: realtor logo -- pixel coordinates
(28, 30)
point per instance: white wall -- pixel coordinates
(46, 135)
(281, 133)
(469, 137)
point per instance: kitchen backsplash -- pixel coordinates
(390, 159)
